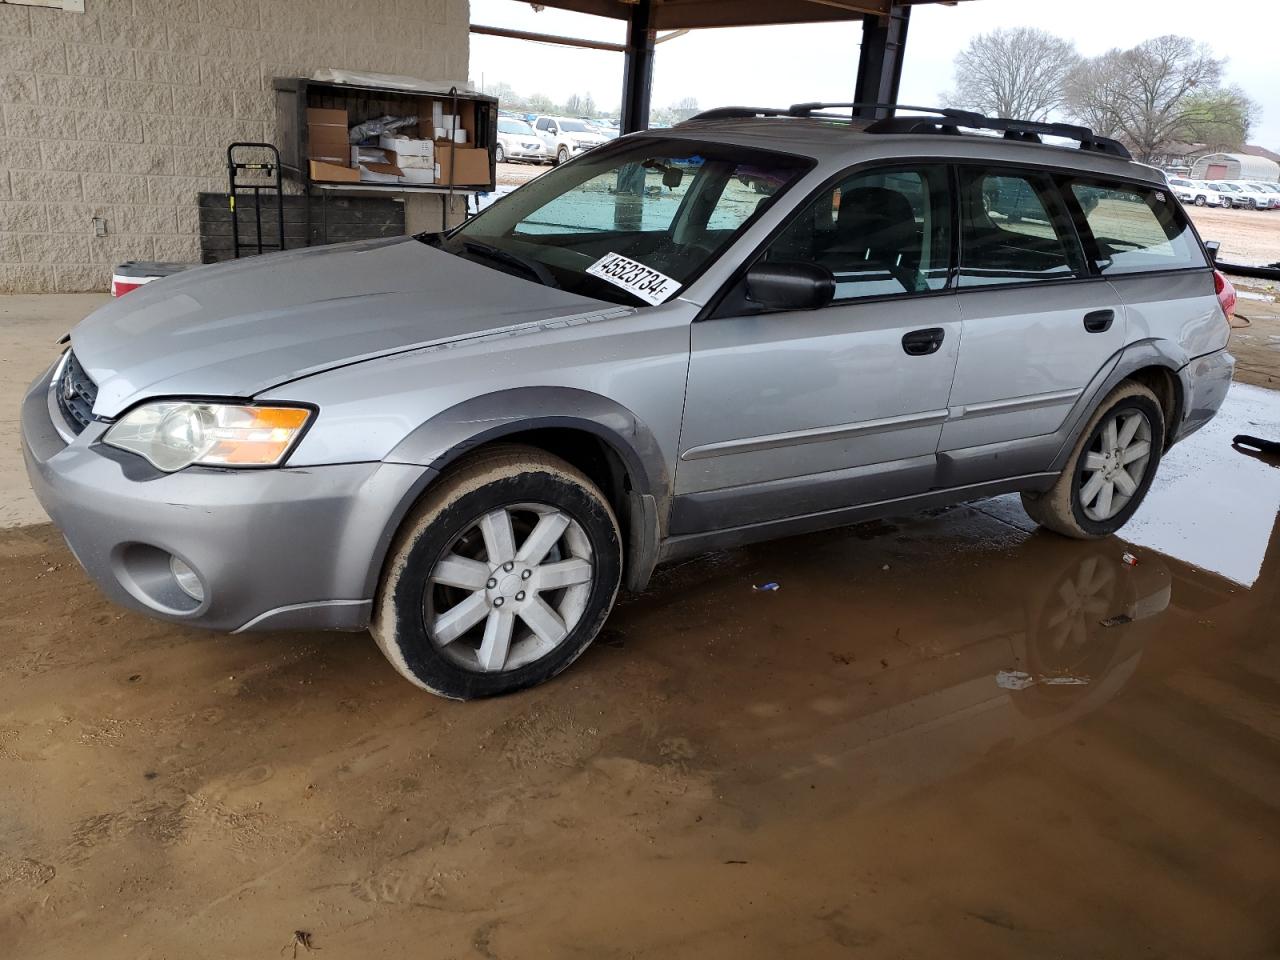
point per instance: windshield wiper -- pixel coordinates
(530, 266)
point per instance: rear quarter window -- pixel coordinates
(1136, 229)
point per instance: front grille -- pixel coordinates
(76, 393)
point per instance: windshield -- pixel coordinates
(577, 126)
(514, 126)
(592, 227)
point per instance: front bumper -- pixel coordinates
(1205, 381)
(274, 549)
(526, 153)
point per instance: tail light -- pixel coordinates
(1226, 294)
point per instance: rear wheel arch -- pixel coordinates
(1164, 383)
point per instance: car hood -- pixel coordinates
(236, 329)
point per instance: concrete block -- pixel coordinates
(136, 97)
(175, 130)
(14, 21)
(81, 155)
(230, 13)
(5, 192)
(169, 11)
(22, 217)
(142, 158)
(75, 92)
(178, 249)
(112, 127)
(135, 33)
(211, 102)
(18, 154)
(163, 67)
(10, 249)
(147, 218)
(83, 278)
(176, 190)
(234, 74)
(118, 248)
(17, 87)
(44, 185)
(60, 25)
(27, 278)
(209, 40)
(98, 61)
(78, 217)
(113, 188)
(202, 161)
(34, 56)
(188, 220)
(255, 105)
(39, 123)
(53, 248)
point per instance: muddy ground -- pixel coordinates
(942, 736)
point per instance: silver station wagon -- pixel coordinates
(757, 324)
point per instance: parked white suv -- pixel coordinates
(566, 137)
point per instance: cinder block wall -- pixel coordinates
(124, 112)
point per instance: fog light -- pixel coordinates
(186, 579)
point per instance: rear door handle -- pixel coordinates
(1099, 321)
(921, 343)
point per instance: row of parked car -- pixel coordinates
(1246, 194)
(551, 140)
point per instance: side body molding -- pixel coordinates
(454, 432)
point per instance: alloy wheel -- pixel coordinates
(500, 155)
(1115, 464)
(510, 588)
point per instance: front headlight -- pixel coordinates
(173, 434)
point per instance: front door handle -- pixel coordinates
(921, 343)
(1099, 321)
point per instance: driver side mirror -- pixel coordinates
(790, 285)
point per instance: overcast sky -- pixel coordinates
(775, 66)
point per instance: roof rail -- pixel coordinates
(938, 120)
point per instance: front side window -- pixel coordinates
(879, 232)
(668, 206)
(1013, 229)
(1136, 229)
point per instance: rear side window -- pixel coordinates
(1135, 229)
(1013, 229)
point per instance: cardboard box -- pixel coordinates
(470, 163)
(419, 176)
(333, 172)
(380, 173)
(407, 146)
(327, 117)
(327, 135)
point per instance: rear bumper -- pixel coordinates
(1205, 381)
(273, 549)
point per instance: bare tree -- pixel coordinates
(1149, 95)
(1017, 72)
(684, 108)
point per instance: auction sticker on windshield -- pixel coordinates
(634, 277)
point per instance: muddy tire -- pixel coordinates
(500, 578)
(1110, 468)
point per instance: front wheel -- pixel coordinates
(500, 578)
(500, 155)
(1110, 470)
(562, 155)
(1200, 201)
(1226, 204)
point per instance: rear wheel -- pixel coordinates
(1110, 470)
(501, 578)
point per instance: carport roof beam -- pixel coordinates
(698, 14)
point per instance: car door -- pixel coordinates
(1038, 326)
(800, 412)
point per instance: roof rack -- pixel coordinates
(936, 120)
